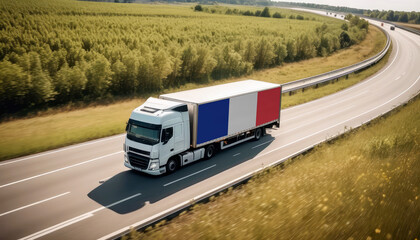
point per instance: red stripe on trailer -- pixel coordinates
(268, 106)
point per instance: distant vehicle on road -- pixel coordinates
(180, 128)
(382, 24)
(392, 27)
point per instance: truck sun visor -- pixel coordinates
(149, 109)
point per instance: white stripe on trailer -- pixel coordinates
(242, 112)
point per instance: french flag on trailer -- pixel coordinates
(232, 115)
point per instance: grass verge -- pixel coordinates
(57, 128)
(364, 186)
(410, 25)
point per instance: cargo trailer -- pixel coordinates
(179, 128)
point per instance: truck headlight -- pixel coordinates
(125, 158)
(154, 165)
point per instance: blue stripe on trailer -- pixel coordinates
(213, 120)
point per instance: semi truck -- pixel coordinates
(179, 128)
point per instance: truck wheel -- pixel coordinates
(172, 165)
(258, 134)
(210, 150)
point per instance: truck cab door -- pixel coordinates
(167, 144)
(179, 138)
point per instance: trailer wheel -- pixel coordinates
(172, 165)
(210, 150)
(258, 134)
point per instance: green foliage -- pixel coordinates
(395, 16)
(248, 13)
(64, 51)
(70, 83)
(345, 40)
(14, 86)
(98, 77)
(198, 8)
(265, 12)
(277, 15)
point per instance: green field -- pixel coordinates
(60, 52)
(364, 185)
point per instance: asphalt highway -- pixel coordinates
(85, 192)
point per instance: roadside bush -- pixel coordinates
(198, 8)
(277, 15)
(345, 40)
(265, 12)
(248, 13)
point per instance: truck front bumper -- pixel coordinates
(159, 171)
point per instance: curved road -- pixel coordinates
(85, 192)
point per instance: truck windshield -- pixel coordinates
(143, 132)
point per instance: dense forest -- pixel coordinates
(56, 52)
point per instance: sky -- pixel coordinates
(396, 5)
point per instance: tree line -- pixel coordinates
(48, 57)
(395, 16)
(257, 13)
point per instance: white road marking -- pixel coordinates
(322, 108)
(304, 125)
(259, 145)
(167, 184)
(73, 220)
(397, 78)
(59, 150)
(236, 154)
(33, 204)
(57, 170)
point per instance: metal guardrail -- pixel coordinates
(325, 77)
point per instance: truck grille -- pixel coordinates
(138, 161)
(139, 151)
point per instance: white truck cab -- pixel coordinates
(156, 130)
